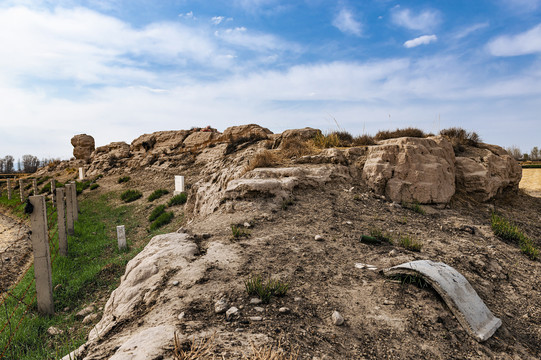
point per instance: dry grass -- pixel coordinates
(265, 158)
(460, 138)
(363, 140)
(269, 353)
(290, 148)
(407, 132)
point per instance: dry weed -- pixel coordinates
(270, 353)
(198, 350)
(265, 158)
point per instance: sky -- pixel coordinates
(117, 69)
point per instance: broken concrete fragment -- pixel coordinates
(458, 294)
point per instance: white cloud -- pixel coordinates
(469, 30)
(346, 23)
(242, 37)
(421, 40)
(217, 19)
(188, 15)
(528, 42)
(424, 21)
(521, 6)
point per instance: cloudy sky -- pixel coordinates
(116, 69)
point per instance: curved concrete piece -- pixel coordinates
(458, 294)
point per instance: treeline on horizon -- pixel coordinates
(26, 164)
(514, 151)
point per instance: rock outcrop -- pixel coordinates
(412, 169)
(83, 146)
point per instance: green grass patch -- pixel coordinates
(123, 179)
(410, 243)
(130, 195)
(93, 267)
(178, 200)
(413, 206)
(265, 289)
(82, 186)
(162, 220)
(156, 212)
(505, 230)
(531, 166)
(156, 194)
(94, 186)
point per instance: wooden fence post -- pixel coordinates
(21, 190)
(61, 216)
(9, 189)
(53, 191)
(69, 209)
(42, 258)
(35, 186)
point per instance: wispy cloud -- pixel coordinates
(426, 20)
(421, 40)
(346, 23)
(469, 30)
(217, 19)
(528, 42)
(242, 37)
(521, 6)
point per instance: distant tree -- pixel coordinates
(30, 163)
(525, 157)
(514, 151)
(534, 154)
(8, 164)
(2, 166)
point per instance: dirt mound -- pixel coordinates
(257, 207)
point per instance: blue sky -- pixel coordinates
(116, 69)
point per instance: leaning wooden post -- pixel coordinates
(21, 190)
(42, 258)
(35, 186)
(53, 190)
(61, 216)
(9, 189)
(69, 209)
(121, 235)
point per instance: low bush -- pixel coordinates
(460, 138)
(363, 140)
(265, 289)
(380, 235)
(156, 194)
(162, 220)
(81, 186)
(123, 179)
(407, 132)
(94, 186)
(156, 212)
(326, 140)
(130, 195)
(178, 199)
(238, 231)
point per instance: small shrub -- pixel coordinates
(130, 195)
(156, 213)
(265, 158)
(156, 194)
(94, 186)
(409, 243)
(379, 235)
(238, 231)
(363, 140)
(162, 220)
(528, 248)
(177, 200)
(326, 140)
(81, 186)
(344, 138)
(407, 132)
(123, 179)
(265, 289)
(460, 137)
(414, 206)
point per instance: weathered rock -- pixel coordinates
(200, 139)
(147, 344)
(53, 331)
(84, 312)
(486, 172)
(255, 301)
(118, 150)
(160, 140)
(250, 131)
(318, 238)
(221, 306)
(337, 319)
(90, 318)
(83, 146)
(412, 169)
(231, 312)
(300, 134)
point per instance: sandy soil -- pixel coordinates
(531, 182)
(15, 250)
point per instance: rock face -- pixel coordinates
(486, 172)
(83, 146)
(251, 131)
(412, 169)
(303, 134)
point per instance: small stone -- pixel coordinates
(259, 309)
(318, 238)
(175, 283)
(90, 318)
(182, 230)
(239, 330)
(337, 319)
(388, 302)
(84, 312)
(256, 318)
(284, 310)
(66, 309)
(140, 322)
(221, 306)
(54, 331)
(255, 301)
(181, 315)
(247, 225)
(297, 299)
(392, 252)
(349, 222)
(233, 311)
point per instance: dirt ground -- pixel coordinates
(15, 250)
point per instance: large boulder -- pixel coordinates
(83, 146)
(486, 171)
(304, 134)
(412, 169)
(250, 131)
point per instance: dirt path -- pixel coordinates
(531, 182)
(15, 250)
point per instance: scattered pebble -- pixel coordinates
(233, 311)
(54, 331)
(247, 225)
(221, 306)
(388, 302)
(90, 318)
(297, 299)
(259, 309)
(181, 315)
(175, 283)
(393, 252)
(337, 319)
(366, 266)
(256, 318)
(255, 301)
(318, 238)
(84, 312)
(284, 310)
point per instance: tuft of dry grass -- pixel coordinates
(270, 353)
(407, 132)
(265, 158)
(460, 138)
(363, 140)
(290, 148)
